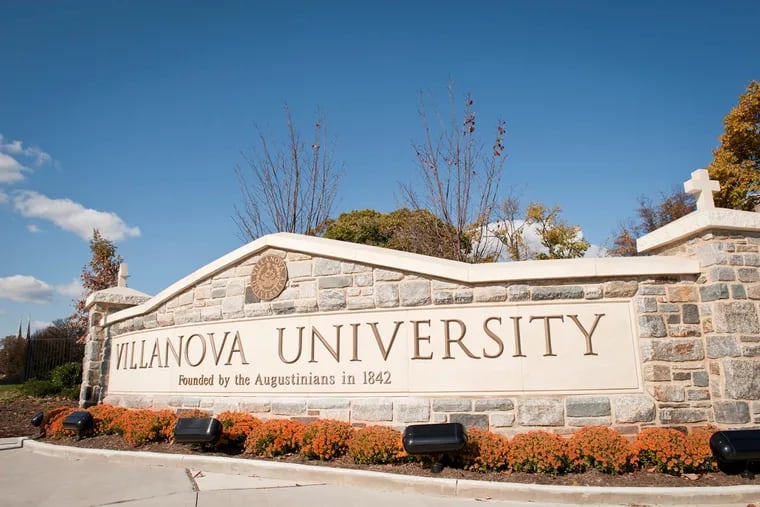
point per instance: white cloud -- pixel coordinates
(33, 228)
(73, 289)
(17, 148)
(73, 217)
(11, 169)
(25, 289)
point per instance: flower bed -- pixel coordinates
(598, 448)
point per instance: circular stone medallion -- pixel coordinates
(269, 277)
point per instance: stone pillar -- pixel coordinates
(97, 352)
(727, 245)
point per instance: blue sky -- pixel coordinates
(131, 116)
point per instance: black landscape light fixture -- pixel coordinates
(736, 451)
(434, 439)
(79, 422)
(197, 430)
(37, 419)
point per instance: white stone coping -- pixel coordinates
(700, 221)
(504, 491)
(454, 271)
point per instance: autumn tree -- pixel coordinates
(736, 162)
(416, 231)
(558, 239)
(289, 186)
(460, 175)
(12, 358)
(650, 215)
(101, 273)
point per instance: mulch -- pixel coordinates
(16, 413)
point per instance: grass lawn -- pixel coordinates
(9, 391)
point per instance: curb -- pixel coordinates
(580, 495)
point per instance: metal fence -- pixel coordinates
(44, 355)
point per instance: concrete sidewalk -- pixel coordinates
(40, 474)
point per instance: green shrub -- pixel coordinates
(67, 375)
(40, 388)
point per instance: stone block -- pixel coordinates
(232, 307)
(235, 287)
(593, 292)
(721, 274)
(489, 294)
(442, 298)
(647, 304)
(651, 290)
(463, 297)
(682, 415)
(682, 294)
(185, 299)
(372, 410)
(492, 404)
(722, 346)
(656, 372)
(327, 403)
(731, 412)
(588, 406)
(335, 282)
(211, 313)
(502, 420)
(386, 295)
(747, 275)
(452, 405)
(700, 378)
(684, 330)
(675, 349)
(413, 411)
(736, 317)
(751, 350)
(218, 292)
(289, 407)
(331, 300)
(443, 285)
(283, 307)
(360, 303)
(307, 290)
(386, 275)
(540, 412)
(652, 326)
(633, 409)
(414, 293)
(752, 260)
(363, 280)
(697, 394)
(255, 407)
(690, 314)
(669, 393)
(681, 375)
(742, 379)
(713, 292)
(299, 269)
(621, 289)
(350, 268)
(325, 267)
(518, 293)
(561, 292)
(738, 291)
(258, 310)
(479, 421)
(753, 292)
(588, 421)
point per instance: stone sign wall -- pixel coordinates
(375, 336)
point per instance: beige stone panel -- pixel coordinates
(470, 350)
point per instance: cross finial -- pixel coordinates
(123, 274)
(702, 187)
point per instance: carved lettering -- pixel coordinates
(187, 350)
(335, 352)
(418, 338)
(518, 338)
(587, 334)
(547, 330)
(281, 339)
(448, 341)
(383, 350)
(494, 337)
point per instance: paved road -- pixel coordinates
(35, 480)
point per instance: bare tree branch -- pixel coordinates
(290, 188)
